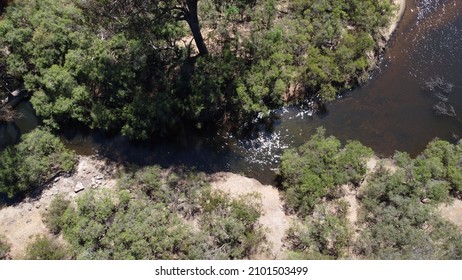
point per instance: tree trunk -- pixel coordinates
(3, 4)
(193, 22)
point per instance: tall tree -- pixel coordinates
(133, 12)
(188, 10)
(138, 14)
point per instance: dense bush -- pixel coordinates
(441, 161)
(53, 217)
(316, 169)
(180, 190)
(398, 216)
(103, 226)
(397, 225)
(137, 76)
(146, 220)
(231, 225)
(45, 248)
(326, 234)
(37, 158)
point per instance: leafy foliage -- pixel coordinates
(106, 80)
(180, 190)
(231, 225)
(146, 220)
(397, 225)
(316, 169)
(53, 216)
(398, 217)
(45, 248)
(102, 228)
(126, 66)
(33, 161)
(326, 234)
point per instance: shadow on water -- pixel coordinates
(199, 150)
(25, 121)
(392, 112)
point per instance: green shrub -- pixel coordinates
(317, 168)
(45, 248)
(52, 217)
(398, 225)
(324, 235)
(31, 163)
(110, 226)
(231, 224)
(179, 189)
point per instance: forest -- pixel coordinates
(145, 69)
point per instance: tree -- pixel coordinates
(317, 168)
(3, 4)
(188, 12)
(122, 66)
(31, 163)
(154, 11)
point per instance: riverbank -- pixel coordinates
(274, 219)
(400, 9)
(22, 221)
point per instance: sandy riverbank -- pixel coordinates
(273, 219)
(19, 223)
(401, 7)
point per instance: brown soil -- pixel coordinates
(20, 222)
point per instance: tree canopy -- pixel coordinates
(318, 168)
(150, 217)
(129, 66)
(31, 163)
(398, 215)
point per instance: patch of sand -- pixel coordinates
(20, 222)
(273, 218)
(388, 31)
(453, 212)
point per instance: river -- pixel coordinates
(393, 111)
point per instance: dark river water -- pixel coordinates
(393, 111)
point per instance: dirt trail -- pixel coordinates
(273, 218)
(20, 222)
